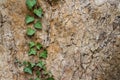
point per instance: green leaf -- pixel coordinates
(38, 12)
(32, 52)
(30, 31)
(16, 61)
(30, 79)
(43, 54)
(29, 19)
(38, 73)
(28, 70)
(29, 64)
(38, 46)
(31, 44)
(25, 63)
(45, 72)
(38, 25)
(31, 3)
(41, 64)
(32, 64)
(50, 78)
(37, 78)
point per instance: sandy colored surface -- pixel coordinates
(82, 38)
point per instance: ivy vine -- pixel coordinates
(35, 48)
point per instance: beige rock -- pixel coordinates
(82, 38)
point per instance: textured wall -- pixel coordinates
(82, 38)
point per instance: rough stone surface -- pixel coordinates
(82, 38)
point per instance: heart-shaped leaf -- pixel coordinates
(41, 64)
(38, 46)
(29, 19)
(31, 3)
(28, 64)
(25, 63)
(31, 65)
(31, 44)
(38, 25)
(32, 52)
(37, 78)
(38, 12)
(30, 31)
(38, 73)
(27, 70)
(43, 54)
(50, 78)
(31, 79)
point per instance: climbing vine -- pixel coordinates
(35, 48)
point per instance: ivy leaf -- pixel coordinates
(31, 3)
(30, 79)
(38, 73)
(30, 31)
(32, 52)
(25, 63)
(28, 70)
(38, 12)
(29, 19)
(37, 78)
(45, 72)
(43, 54)
(31, 44)
(50, 78)
(31, 65)
(38, 25)
(41, 64)
(38, 46)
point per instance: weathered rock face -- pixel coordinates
(82, 38)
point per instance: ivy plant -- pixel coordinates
(30, 31)
(38, 25)
(31, 44)
(31, 3)
(38, 73)
(37, 68)
(41, 64)
(28, 70)
(37, 78)
(50, 78)
(38, 12)
(38, 46)
(29, 19)
(43, 54)
(32, 51)
(31, 79)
